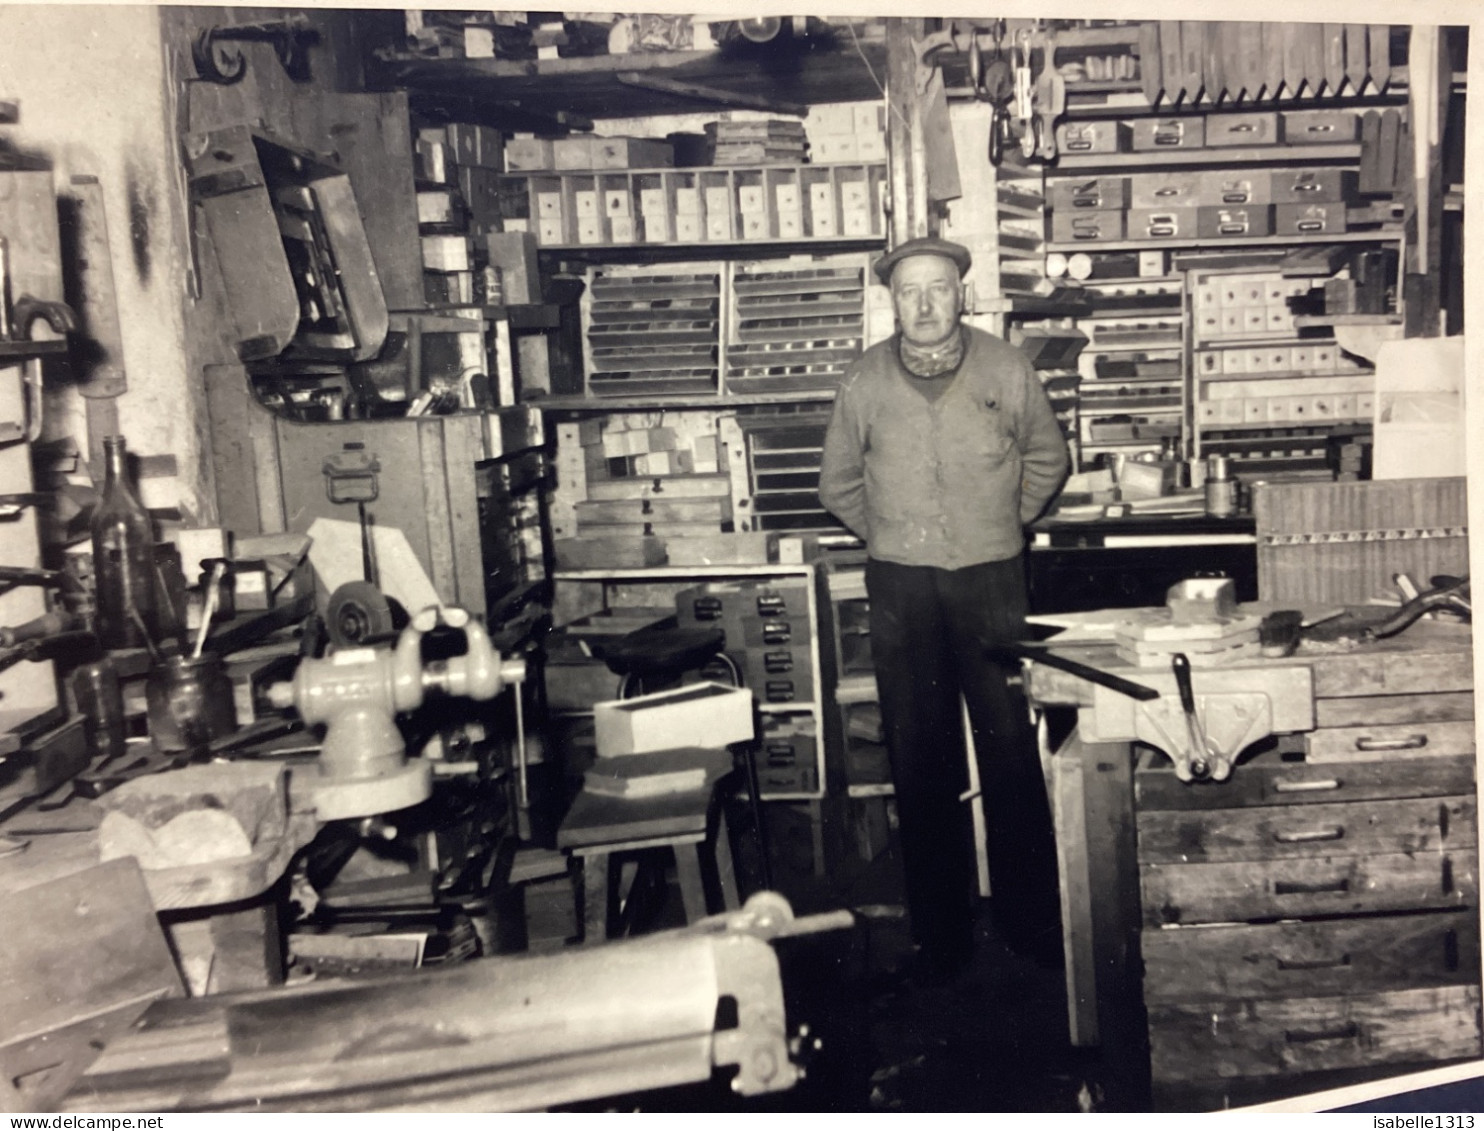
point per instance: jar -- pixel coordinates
(190, 703)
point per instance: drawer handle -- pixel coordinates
(1304, 836)
(1234, 198)
(1161, 231)
(1167, 191)
(1323, 784)
(1233, 229)
(1315, 964)
(1311, 225)
(1411, 742)
(1079, 146)
(1085, 234)
(1243, 128)
(1289, 887)
(1306, 186)
(1347, 1032)
(1324, 129)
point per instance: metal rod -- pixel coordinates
(1086, 671)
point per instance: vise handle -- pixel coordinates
(1117, 683)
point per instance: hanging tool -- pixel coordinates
(1051, 99)
(1025, 105)
(994, 82)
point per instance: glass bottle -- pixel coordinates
(123, 557)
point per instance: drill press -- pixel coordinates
(363, 766)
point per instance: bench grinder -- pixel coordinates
(363, 766)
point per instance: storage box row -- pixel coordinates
(1287, 409)
(1211, 222)
(792, 202)
(1202, 188)
(1208, 131)
(1297, 358)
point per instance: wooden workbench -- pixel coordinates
(1342, 860)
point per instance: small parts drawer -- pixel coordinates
(1164, 190)
(1094, 194)
(1331, 956)
(788, 756)
(1312, 186)
(1311, 885)
(1398, 740)
(1320, 127)
(1246, 220)
(1169, 133)
(1276, 778)
(1162, 223)
(1289, 831)
(1069, 226)
(1228, 187)
(1242, 129)
(1201, 1040)
(1092, 137)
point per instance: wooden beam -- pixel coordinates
(702, 93)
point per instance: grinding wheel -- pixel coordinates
(358, 612)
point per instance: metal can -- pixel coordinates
(1221, 489)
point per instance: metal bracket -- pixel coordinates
(291, 38)
(351, 476)
(1231, 723)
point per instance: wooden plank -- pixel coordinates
(1336, 956)
(1370, 710)
(1395, 672)
(1068, 806)
(1291, 832)
(1308, 1034)
(596, 820)
(84, 956)
(463, 445)
(1357, 56)
(1409, 741)
(433, 515)
(1319, 885)
(1269, 780)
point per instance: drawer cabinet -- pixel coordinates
(1317, 911)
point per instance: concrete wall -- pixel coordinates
(97, 97)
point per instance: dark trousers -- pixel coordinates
(929, 629)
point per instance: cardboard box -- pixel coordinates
(436, 207)
(709, 715)
(590, 230)
(653, 202)
(836, 147)
(549, 205)
(622, 229)
(574, 152)
(871, 147)
(856, 222)
(822, 225)
(687, 201)
(719, 227)
(689, 228)
(445, 253)
(617, 202)
(549, 232)
(718, 200)
(755, 226)
(528, 154)
(751, 198)
(790, 225)
(632, 153)
(587, 203)
(658, 229)
(868, 118)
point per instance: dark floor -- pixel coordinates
(993, 1039)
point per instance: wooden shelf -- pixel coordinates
(1304, 320)
(622, 573)
(1289, 376)
(679, 401)
(1228, 242)
(728, 249)
(594, 87)
(1235, 155)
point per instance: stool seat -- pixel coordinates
(599, 829)
(660, 650)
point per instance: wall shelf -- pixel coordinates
(1228, 242)
(1235, 155)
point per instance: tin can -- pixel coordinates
(1221, 488)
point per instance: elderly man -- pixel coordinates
(941, 449)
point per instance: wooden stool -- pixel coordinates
(599, 830)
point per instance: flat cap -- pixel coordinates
(925, 246)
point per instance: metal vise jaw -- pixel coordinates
(1236, 707)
